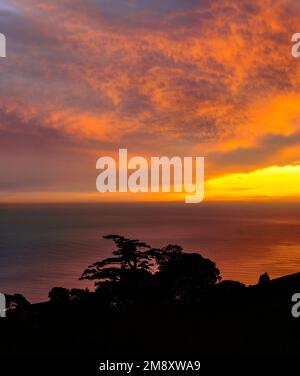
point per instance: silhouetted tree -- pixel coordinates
(79, 295)
(185, 275)
(130, 256)
(264, 278)
(165, 255)
(16, 301)
(59, 295)
(127, 276)
(191, 267)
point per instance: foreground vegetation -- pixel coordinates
(150, 300)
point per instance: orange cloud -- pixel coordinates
(191, 78)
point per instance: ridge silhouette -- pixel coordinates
(152, 300)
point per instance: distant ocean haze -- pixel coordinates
(42, 246)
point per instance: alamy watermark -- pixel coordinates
(2, 45)
(296, 45)
(2, 305)
(296, 307)
(135, 175)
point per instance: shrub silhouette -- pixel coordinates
(16, 301)
(79, 295)
(59, 295)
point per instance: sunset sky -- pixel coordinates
(83, 78)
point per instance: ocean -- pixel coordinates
(42, 246)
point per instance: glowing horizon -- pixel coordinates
(271, 183)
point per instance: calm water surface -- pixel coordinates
(46, 246)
